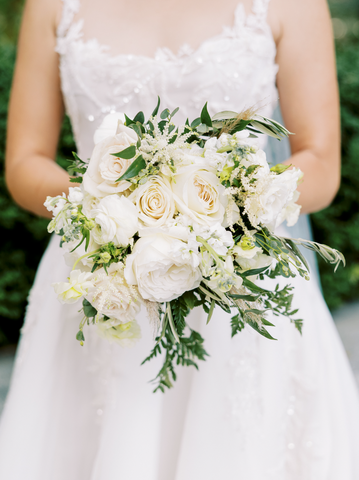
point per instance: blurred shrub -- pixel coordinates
(23, 236)
(338, 225)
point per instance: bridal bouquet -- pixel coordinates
(172, 217)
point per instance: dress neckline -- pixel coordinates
(73, 32)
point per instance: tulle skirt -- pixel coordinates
(256, 409)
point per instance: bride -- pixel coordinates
(256, 410)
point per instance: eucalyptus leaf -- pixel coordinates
(139, 117)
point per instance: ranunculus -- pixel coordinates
(125, 334)
(199, 194)
(78, 285)
(154, 201)
(113, 297)
(160, 270)
(105, 169)
(117, 221)
(75, 195)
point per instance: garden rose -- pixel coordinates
(199, 194)
(154, 201)
(117, 221)
(104, 168)
(160, 271)
(113, 297)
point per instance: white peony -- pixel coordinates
(75, 195)
(105, 169)
(199, 194)
(160, 270)
(78, 285)
(117, 221)
(125, 334)
(89, 203)
(154, 201)
(113, 297)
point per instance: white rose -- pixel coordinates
(199, 194)
(154, 201)
(108, 127)
(75, 195)
(117, 221)
(113, 297)
(104, 168)
(160, 273)
(78, 285)
(125, 334)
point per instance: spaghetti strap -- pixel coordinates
(69, 10)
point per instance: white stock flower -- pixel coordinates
(78, 285)
(55, 204)
(199, 194)
(154, 201)
(216, 236)
(125, 334)
(159, 269)
(72, 256)
(108, 127)
(75, 195)
(105, 169)
(258, 158)
(117, 221)
(113, 297)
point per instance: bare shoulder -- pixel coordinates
(298, 17)
(45, 14)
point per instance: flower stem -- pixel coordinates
(84, 256)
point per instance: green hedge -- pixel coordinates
(23, 236)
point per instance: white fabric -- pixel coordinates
(257, 409)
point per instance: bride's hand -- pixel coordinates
(308, 94)
(35, 112)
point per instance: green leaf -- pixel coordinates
(139, 117)
(128, 121)
(252, 286)
(240, 126)
(127, 153)
(134, 169)
(211, 310)
(247, 298)
(260, 330)
(136, 128)
(174, 112)
(76, 180)
(155, 111)
(205, 116)
(225, 115)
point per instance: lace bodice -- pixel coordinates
(232, 71)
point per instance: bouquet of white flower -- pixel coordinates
(176, 217)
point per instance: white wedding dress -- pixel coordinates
(257, 409)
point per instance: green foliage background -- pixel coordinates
(23, 236)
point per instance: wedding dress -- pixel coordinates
(257, 409)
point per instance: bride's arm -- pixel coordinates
(309, 97)
(35, 112)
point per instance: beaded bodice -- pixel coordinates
(232, 71)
